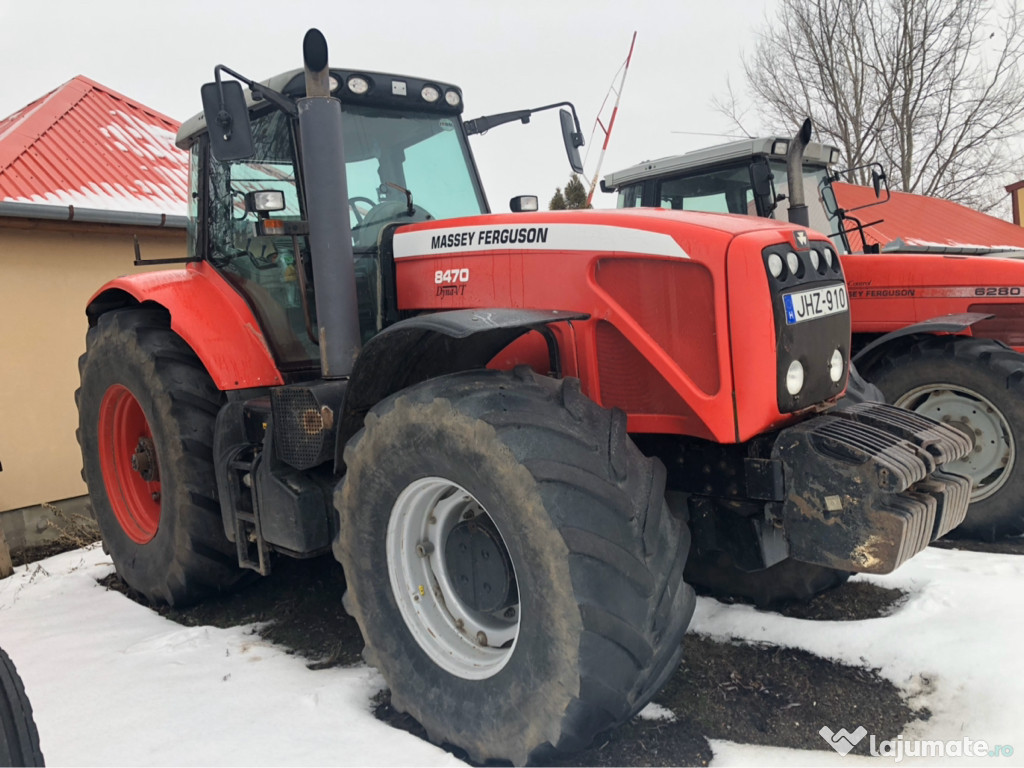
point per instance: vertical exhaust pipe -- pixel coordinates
(326, 195)
(795, 175)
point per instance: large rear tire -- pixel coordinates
(976, 385)
(577, 577)
(19, 739)
(146, 417)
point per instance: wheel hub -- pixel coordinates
(480, 568)
(994, 451)
(453, 578)
(144, 460)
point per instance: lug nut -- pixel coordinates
(424, 548)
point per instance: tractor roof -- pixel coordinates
(770, 146)
(385, 90)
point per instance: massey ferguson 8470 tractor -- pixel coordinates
(940, 330)
(506, 426)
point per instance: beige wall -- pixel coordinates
(49, 271)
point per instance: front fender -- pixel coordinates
(431, 345)
(946, 324)
(211, 317)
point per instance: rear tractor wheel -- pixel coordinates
(511, 562)
(146, 416)
(975, 385)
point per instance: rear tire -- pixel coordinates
(789, 581)
(596, 604)
(19, 739)
(976, 385)
(146, 398)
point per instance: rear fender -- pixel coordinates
(211, 317)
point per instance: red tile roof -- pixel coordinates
(920, 220)
(85, 145)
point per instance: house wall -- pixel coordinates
(49, 272)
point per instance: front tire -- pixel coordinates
(146, 417)
(571, 613)
(976, 385)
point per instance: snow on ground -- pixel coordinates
(112, 683)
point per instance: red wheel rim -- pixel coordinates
(129, 465)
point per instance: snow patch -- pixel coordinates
(657, 712)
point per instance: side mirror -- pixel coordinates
(763, 179)
(227, 119)
(877, 180)
(524, 204)
(572, 140)
(764, 185)
(828, 198)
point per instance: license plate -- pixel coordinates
(817, 302)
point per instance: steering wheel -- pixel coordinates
(355, 211)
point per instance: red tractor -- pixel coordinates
(939, 330)
(345, 364)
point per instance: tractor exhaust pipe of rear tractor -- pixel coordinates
(330, 235)
(795, 175)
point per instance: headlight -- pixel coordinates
(775, 265)
(358, 85)
(835, 366)
(795, 378)
(794, 262)
(453, 98)
(829, 256)
(815, 259)
(430, 94)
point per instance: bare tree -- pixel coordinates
(931, 88)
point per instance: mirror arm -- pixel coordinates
(485, 123)
(258, 90)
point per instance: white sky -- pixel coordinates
(504, 55)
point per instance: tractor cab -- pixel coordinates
(745, 177)
(406, 160)
(751, 178)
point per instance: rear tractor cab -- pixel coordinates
(939, 329)
(341, 367)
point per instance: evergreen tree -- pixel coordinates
(574, 196)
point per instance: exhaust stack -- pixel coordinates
(795, 175)
(330, 235)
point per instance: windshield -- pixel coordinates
(729, 190)
(388, 153)
(725, 190)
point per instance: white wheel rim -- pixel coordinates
(989, 464)
(466, 642)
